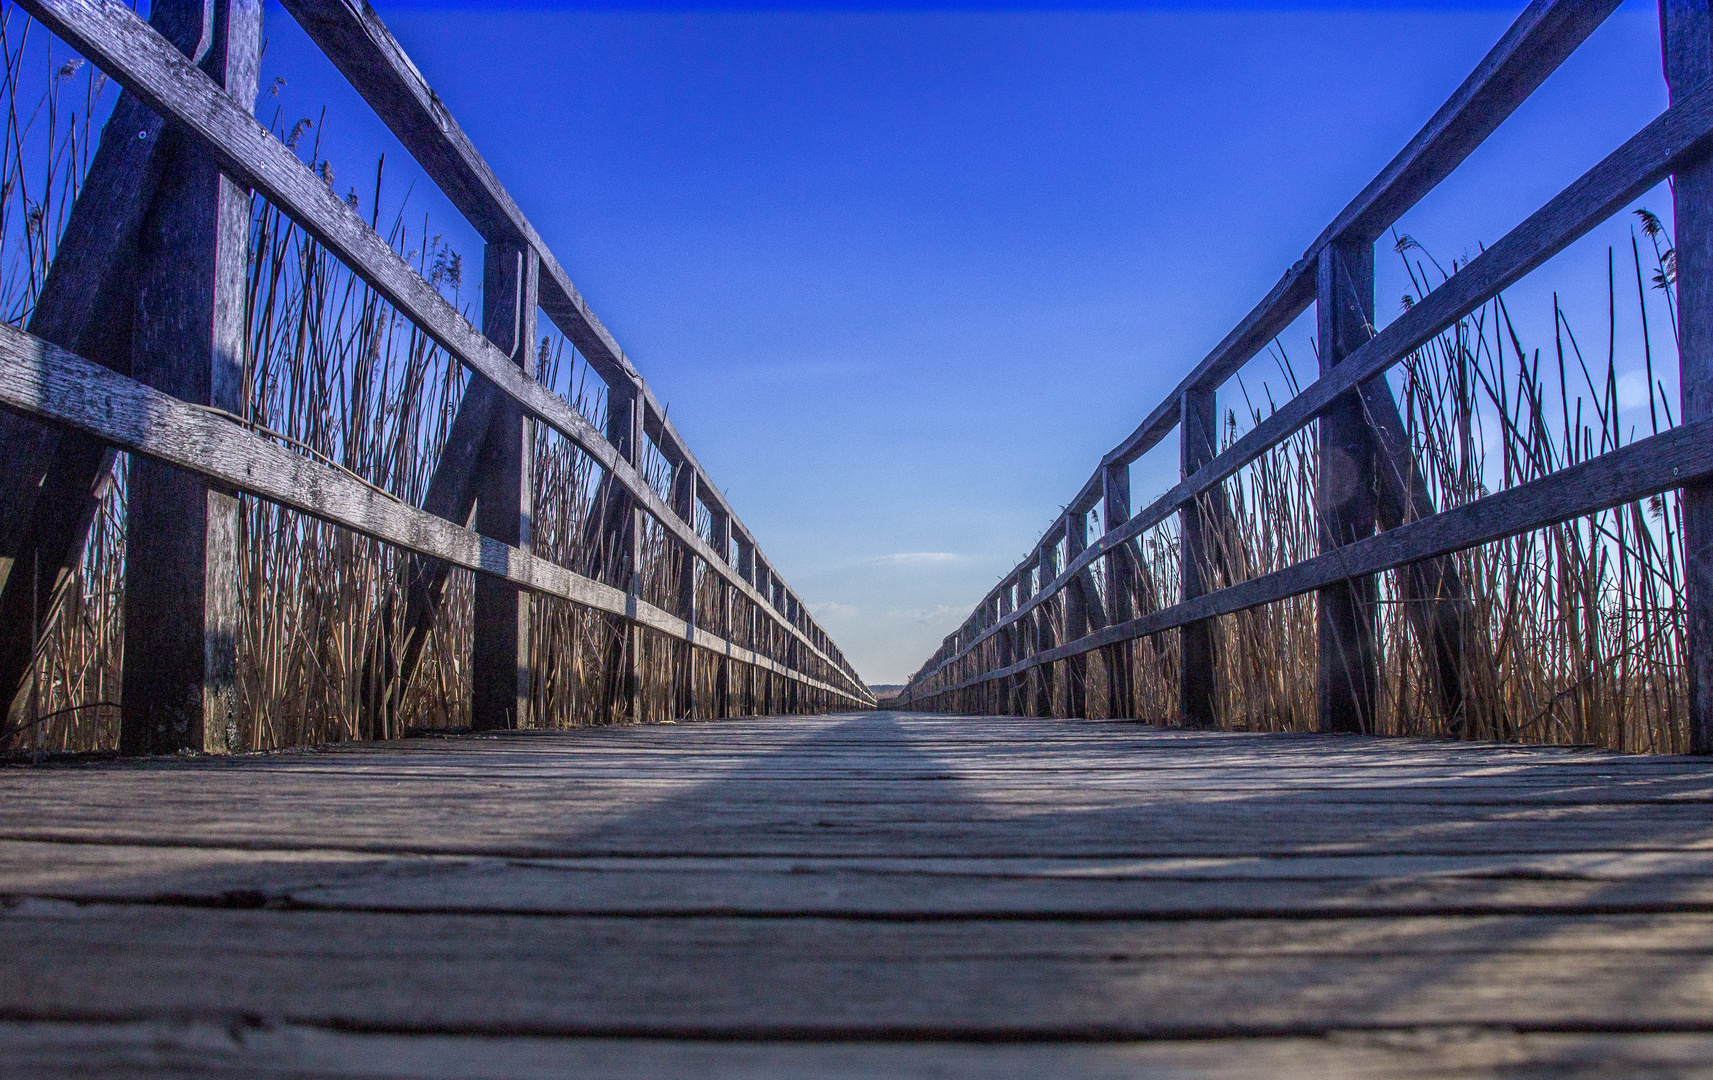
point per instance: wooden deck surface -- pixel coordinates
(878, 894)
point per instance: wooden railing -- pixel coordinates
(167, 396)
(1005, 659)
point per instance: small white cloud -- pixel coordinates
(940, 615)
(1633, 390)
(915, 558)
(832, 610)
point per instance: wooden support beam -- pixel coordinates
(1687, 31)
(505, 498)
(190, 337)
(1198, 425)
(1347, 613)
(1435, 600)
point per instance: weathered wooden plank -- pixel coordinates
(1657, 463)
(1038, 888)
(828, 978)
(46, 381)
(1674, 138)
(213, 1049)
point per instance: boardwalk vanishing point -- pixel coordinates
(874, 894)
(567, 889)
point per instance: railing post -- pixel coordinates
(505, 498)
(189, 338)
(1198, 685)
(1006, 641)
(723, 665)
(619, 547)
(752, 674)
(1076, 616)
(1687, 32)
(684, 498)
(1346, 613)
(1115, 511)
(1023, 631)
(1046, 677)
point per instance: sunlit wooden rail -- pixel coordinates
(870, 894)
(1025, 648)
(163, 384)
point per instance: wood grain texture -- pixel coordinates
(886, 892)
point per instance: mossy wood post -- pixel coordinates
(189, 338)
(1197, 425)
(1347, 612)
(505, 502)
(1687, 32)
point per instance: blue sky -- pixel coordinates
(904, 274)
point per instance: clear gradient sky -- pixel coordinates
(905, 273)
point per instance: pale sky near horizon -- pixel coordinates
(904, 275)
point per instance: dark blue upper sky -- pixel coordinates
(905, 273)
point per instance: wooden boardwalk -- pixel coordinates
(870, 894)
